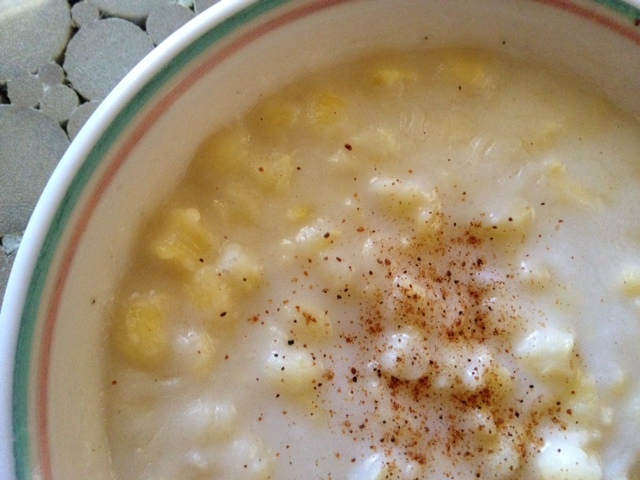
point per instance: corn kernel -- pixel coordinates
(405, 198)
(565, 460)
(464, 369)
(238, 204)
(390, 76)
(372, 468)
(141, 332)
(375, 143)
(467, 68)
(325, 109)
(210, 293)
(387, 465)
(396, 196)
(316, 236)
(631, 282)
(299, 214)
(503, 459)
(293, 372)
(585, 402)
(221, 157)
(548, 352)
(194, 353)
(182, 239)
(549, 131)
(275, 174)
(273, 116)
(568, 190)
(224, 420)
(239, 267)
(405, 355)
(429, 219)
(207, 422)
(253, 460)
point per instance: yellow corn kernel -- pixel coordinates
(398, 197)
(566, 460)
(293, 372)
(274, 175)
(409, 201)
(299, 214)
(429, 219)
(238, 204)
(503, 458)
(404, 354)
(325, 109)
(256, 460)
(210, 293)
(549, 132)
(584, 401)
(194, 353)
(221, 157)
(222, 422)
(141, 332)
(239, 267)
(631, 282)
(548, 352)
(376, 143)
(205, 354)
(389, 76)
(182, 239)
(567, 189)
(315, 237)
(452, 129)
(466, 370)
(556, 170)
(467, 68)
(373, 468)
(274, 115)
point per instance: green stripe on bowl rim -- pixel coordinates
(625, 9)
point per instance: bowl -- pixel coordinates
(137, 145)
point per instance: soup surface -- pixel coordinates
(419, 265)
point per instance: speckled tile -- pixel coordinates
(58, 60)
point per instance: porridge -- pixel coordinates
(418, 265)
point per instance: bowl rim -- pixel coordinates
(46, 226)
(44, 230)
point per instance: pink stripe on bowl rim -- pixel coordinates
(608, 22)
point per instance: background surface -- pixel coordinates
(58, 60)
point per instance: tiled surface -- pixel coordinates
(58, 60)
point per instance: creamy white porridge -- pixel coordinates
(421, 265)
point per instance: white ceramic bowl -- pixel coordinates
(136, 146)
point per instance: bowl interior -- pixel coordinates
(138, 145)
